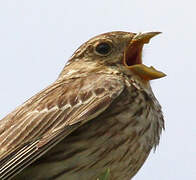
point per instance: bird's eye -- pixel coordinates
(103, 48)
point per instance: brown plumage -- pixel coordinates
(100, 113)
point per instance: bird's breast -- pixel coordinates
(120, 139)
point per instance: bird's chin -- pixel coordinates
(133, 57)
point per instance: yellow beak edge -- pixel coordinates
(145, 72)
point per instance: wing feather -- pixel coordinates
(48, 117)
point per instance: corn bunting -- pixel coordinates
(99, 114)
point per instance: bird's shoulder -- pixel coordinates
(55, 107)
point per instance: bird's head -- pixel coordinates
(118, 49)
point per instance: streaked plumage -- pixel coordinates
(100, 113)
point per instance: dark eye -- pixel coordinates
(103, 48)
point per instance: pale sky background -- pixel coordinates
(38, 36)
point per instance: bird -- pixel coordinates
(99, 114)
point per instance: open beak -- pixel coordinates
(133, 57)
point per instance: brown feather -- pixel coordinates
(50, 112)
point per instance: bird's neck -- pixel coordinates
(80, 69)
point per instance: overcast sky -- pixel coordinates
(38, 36)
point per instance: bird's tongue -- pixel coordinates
(133, 57)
